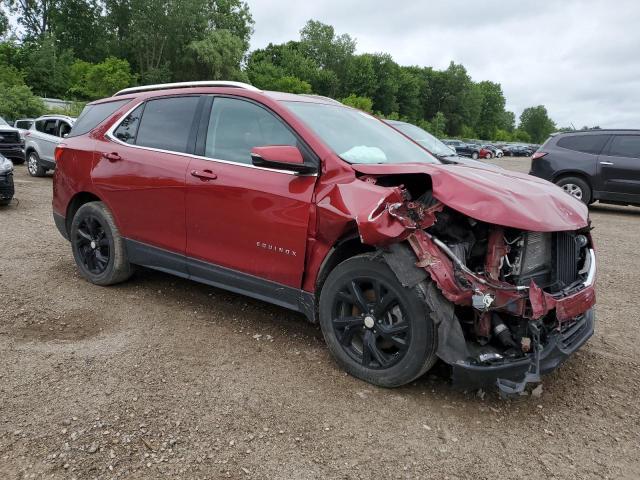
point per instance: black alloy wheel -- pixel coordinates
(98, 248)
(92, 245)
(369, 322)
(377, 329)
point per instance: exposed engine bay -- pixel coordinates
(510, 289)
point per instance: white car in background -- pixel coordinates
(41, 141)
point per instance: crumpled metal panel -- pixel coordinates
(499, 197)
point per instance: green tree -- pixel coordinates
(18, 101)
(387, 83)
(47, 67)
(492, 109)
(218, 57)
(408, 96)
(4, 23)
(508, 121)
(536, 122)
(78, 25)
(320, 42)
(109, 76)
(361, 103)
(34, 16)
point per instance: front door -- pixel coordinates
(248, 219)
(619, 168)
(140, 171)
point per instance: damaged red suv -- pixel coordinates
(303, 202)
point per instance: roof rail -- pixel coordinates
(312, 95)
(204, 83)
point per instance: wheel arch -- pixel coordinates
(75, 203)
(346, 247)
(573, 173)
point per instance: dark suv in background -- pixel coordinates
(592, 165)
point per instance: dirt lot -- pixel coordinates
(160, 377)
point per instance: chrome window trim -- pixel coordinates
(110, 135)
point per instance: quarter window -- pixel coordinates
(93, 115)
(625, 146)
(167, 123)
(236, 126)
(126, 131)
(584, 143)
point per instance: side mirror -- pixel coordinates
(280, 157)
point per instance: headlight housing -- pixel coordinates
(5, 165)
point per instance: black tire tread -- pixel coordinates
(121, 270)
(420, 291)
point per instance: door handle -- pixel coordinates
(204, 175)
(606, 163)
(112, 157)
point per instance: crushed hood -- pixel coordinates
(499, 197)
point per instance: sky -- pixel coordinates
(581, 59)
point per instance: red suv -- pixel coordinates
(301, 201)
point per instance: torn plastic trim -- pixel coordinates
(460, 285)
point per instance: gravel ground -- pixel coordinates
(161, 377)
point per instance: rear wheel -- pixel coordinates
(98, 248)
(488, 156)
(33, 165)
(474, 155)
(376, 329)
(576, 187)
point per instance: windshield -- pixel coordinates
(424, 138)
(2, 122)
(358, 137)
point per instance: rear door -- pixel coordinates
(47, 138)
(140, 169)
(252, 220)
(619, 168)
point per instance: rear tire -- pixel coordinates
(576, 187)
(376, 329)
(98, 248)
(474, 155)
(33, 165)
(488, 156)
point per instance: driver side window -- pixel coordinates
(236, 126)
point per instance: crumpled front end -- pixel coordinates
(519, 301)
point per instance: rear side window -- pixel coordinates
(93, 115)
(126, 131)
(584, 143)
(625, 146)
(236, 126)
(47, 126)
(166, 123)
(24, 124)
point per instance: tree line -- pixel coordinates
(88, 49)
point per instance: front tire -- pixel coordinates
(576, 187)
(376, 329)
(98, 248)
(33, 165)
(488, 156)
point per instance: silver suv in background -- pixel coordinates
(41, 141)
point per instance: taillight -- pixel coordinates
(537, 155)
(59, 151)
